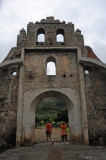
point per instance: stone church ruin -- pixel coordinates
(80, 81)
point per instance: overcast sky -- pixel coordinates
(87, 15)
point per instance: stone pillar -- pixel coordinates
(83, 101)
(20, 104)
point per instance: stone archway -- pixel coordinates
(32, 98)
(51, 109)
(52, 94)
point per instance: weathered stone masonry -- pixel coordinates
(24, 82)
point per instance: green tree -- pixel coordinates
(63, 115)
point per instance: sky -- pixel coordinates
(88, 16)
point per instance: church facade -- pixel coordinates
(79, 80)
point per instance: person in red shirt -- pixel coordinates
(49, 131)
(63, 132)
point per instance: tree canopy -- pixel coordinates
(52, 109)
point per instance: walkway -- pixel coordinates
(58, 151)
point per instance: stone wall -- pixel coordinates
(8, 103)
(66, 70)
(96, 104)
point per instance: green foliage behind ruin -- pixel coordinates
(51, 109)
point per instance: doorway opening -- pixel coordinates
(55, 111)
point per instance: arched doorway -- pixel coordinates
(31, 100)
(55, 111)
(59, 95)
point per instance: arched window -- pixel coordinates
(60, 38)
(41, 38)
(40, 35)
(60, 35)
(51, 66)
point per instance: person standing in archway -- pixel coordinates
(63, 132)
(49, 131)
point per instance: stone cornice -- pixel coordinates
(10, 63)
(91, 61)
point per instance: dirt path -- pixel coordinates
(41, 136)
(58, 151)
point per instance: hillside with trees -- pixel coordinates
(52, 109)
